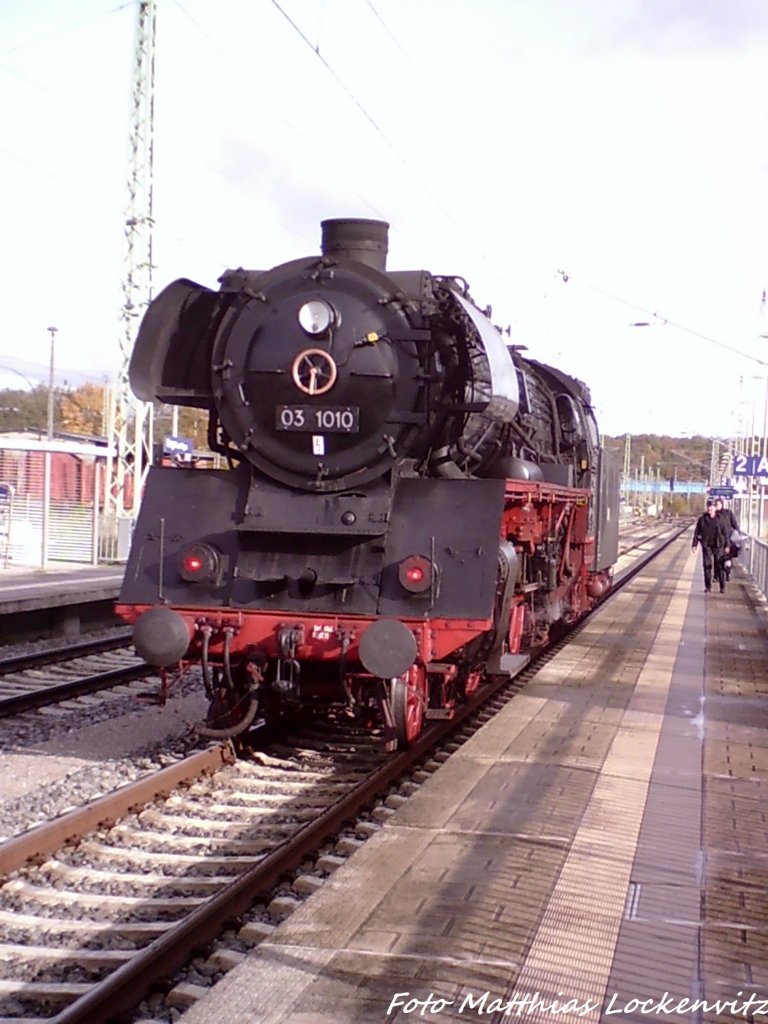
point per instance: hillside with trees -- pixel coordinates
(679, 458)
(84, 411)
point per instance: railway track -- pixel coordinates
(90, 920)
(34, 680)
(102, 904)
(636, 537)
(20, 661)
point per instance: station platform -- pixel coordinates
(596, 852)
(61, 599)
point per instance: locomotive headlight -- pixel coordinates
(200, 563)
(415, 574)
(316, 316)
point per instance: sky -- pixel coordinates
(585, 166)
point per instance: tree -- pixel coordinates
(82, 411)
(686, 458)
(24, 410)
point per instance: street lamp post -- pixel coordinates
(47, 460)
(52, 331)
(764, 454)
(755, 445)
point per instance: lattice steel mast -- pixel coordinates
(131, 432)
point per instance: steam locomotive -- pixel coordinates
(409, 506)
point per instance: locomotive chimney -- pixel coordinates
(356, 239)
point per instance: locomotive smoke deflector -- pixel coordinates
(504, 396)
(172, 355)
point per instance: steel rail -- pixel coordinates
(625, 575)
(124, 988)
(73, 648)
(43, 840)
(58, 692)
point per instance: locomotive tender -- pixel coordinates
(411, 505)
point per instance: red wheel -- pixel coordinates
(409, 706)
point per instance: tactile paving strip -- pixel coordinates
(735, 814)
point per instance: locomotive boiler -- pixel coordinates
(409, 503)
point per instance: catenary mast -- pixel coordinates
(131, 427)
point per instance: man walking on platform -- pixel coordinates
(710, 530)
(731, 524)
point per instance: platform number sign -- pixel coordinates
(750, 465)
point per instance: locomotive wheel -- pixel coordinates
(409, 706)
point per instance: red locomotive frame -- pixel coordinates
(535, 516)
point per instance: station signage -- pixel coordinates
(750, 465)
(178, 445)
(721, 492)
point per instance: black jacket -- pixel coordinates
(711, 532)
(730, 521)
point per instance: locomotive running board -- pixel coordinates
(508, 664)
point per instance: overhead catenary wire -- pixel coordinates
(227, 57)
(368, 117)
(386, 139)
(349, 92)
(278, 112)
(661, 319)
(465, 233)
(62, 179)
(70, 26)
(388, 30)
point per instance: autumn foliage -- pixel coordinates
(84, 411)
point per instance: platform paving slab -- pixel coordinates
(502, 870)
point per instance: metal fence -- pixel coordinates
(51, 502)
(754, 558)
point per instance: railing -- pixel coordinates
(53, 503)
(754, 557)
(51, 495)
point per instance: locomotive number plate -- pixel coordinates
(318, 419)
